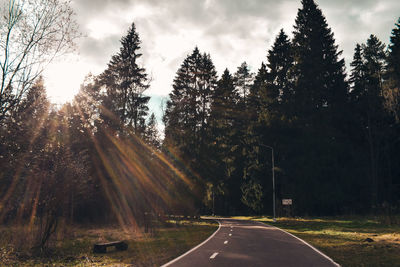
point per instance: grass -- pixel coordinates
(344, 239)
(156, 249)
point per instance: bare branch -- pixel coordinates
(33, 33)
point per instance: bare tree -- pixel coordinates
(32, 34)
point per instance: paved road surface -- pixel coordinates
(250, 244)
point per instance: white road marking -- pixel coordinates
(230, 234)
(304, 242)
(193, 249)
(214, 255)
(226, 242)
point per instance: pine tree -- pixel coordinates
(181, 107)
(222, 120)
(279, 88)
(207, 84)
(152, 135)
(124, 104)
(243, 81)
(319, 74)
(393, 66)
(357, 74)
(223, 143)
(392, 104)
(255, 97)
(188, 110)
(392, 88)
(367, 93)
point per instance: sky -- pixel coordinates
(232, 31)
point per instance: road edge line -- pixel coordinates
(304, 242)
(193, 249)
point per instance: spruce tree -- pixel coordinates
(367, 75)
(223, 116)
(256, 92)
(152, 136)
(188, 109)
(179, 117)
(223, 143)
(392, 87)
(243, 81)
(357, 74)
(393, 66)
(279, 88)
(124, 103)
(319, 73)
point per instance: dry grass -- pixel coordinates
(74, 247)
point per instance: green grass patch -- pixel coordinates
(155, 249)
(344, 239)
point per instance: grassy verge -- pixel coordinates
(344, 239)
(163, 245)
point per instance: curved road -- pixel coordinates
(249, 243)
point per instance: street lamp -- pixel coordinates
(273, 179)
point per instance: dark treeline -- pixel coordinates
(335, 135)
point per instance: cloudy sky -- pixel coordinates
(232, 31)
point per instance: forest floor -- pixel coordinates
(344, 239)
(75, 249)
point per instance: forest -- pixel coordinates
(334, 133)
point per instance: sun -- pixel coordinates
(63, 78)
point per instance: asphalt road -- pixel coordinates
(250, 244)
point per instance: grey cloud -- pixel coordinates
(100, 51)
(225, 23)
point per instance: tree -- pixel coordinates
(319, 74)
(243, 80)
(223, 144)
(32, 34)
(152, 135)
(367, 75)
(393, 65)
(279, 87)
(124, 102)
(357, 74)
(188, 110)
(187, 115)
(392, 87)
(21, 138)
(392, 105)
(180, 110)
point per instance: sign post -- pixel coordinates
(287, 203)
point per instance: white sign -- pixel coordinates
(287, 201)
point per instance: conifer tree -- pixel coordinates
(393, 66)
(124, 103)
(181, 107)
(279, 88)
(188, 109)
(152, 135)
(357, 74)
(222, 120)
(367, 93)
(223, 143)
(319, 73)
(392, 90)
(243, 81)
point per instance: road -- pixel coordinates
(250, 244)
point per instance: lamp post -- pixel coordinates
(273, 179)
